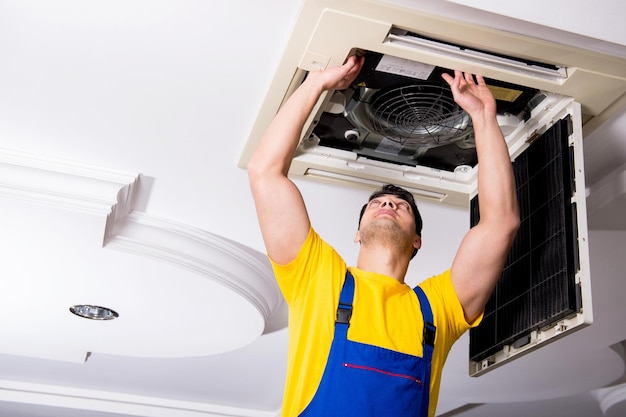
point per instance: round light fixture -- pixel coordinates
(93, 312)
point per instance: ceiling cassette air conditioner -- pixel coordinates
(398, 124)
(422, 145)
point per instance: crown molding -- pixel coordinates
(68, 185)
(117, 403)
(614, 395)
(610, 397)
(108, 193)
(239, 268)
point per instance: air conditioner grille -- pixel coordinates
(419, 114)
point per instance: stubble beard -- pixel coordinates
(385, 234)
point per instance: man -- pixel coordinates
(361, 342)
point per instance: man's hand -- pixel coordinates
(337, 78)
(474, 97)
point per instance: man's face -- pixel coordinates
(388, 217)
(389, 206)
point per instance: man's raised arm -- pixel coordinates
(280, 208)
(480, 258)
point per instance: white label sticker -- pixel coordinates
(400, 66)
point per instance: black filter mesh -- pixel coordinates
(538, 283)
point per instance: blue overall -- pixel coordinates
(365, 380)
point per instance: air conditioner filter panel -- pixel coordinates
(538, 285)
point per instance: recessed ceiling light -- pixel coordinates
(93, 312)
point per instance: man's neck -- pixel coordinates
(384, 261)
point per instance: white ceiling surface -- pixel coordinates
(121, 123)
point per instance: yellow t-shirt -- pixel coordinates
(386, 313)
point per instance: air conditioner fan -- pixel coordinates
(420, 115)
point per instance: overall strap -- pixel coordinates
(428, 345)
(344, 309)
(429, 326)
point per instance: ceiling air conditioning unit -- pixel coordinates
(398, 124)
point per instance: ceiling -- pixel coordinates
(121, 124)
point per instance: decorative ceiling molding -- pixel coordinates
(609, 398)
(50, 350)
(614, 396)
(111, 402)
(110, 194)
(239, 268)
(68, 185)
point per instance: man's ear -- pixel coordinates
(357, 237)
(417, 243)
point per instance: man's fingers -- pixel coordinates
(469, 77)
